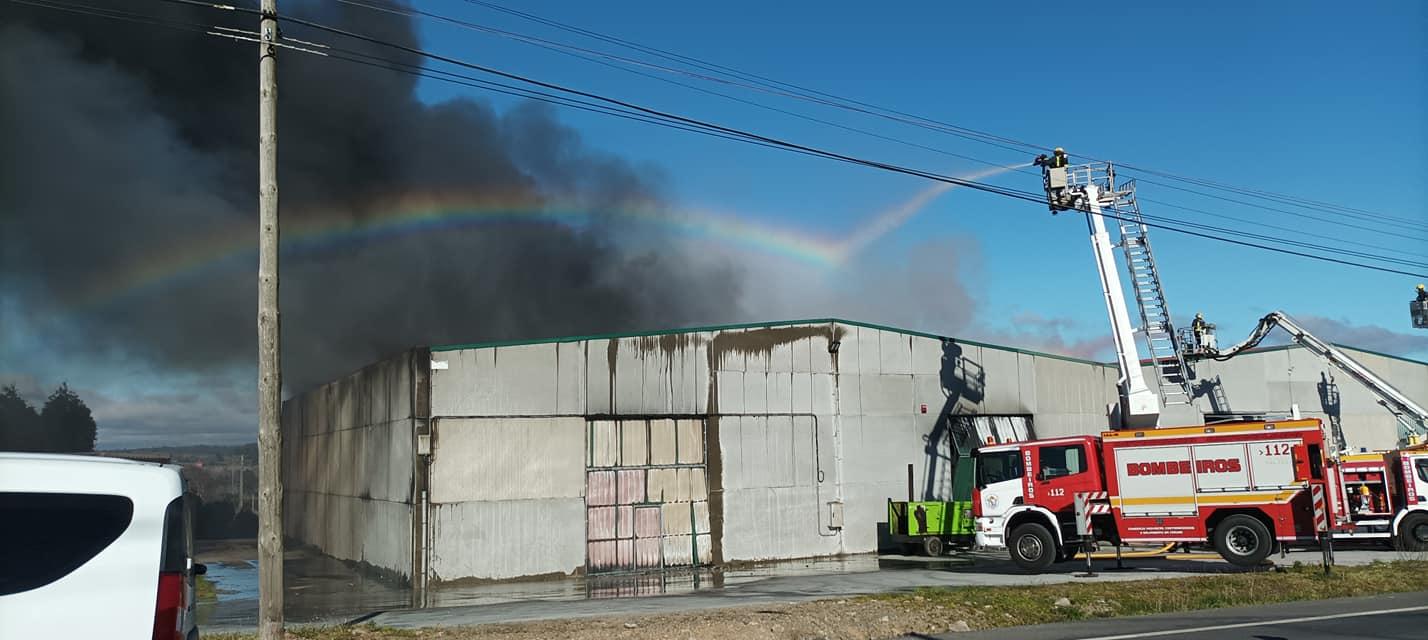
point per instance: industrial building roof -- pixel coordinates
(784, 323)
(756, 325)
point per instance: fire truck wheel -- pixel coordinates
(1032, 547)
(932, 546)
(1243, 540)
(1413, 532)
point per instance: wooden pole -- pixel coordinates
(270, 378)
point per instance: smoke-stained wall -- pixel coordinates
(814, 424)
(349, 464)
(742, 443)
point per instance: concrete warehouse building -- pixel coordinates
(702, 446)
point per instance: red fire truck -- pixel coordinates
(1242, 487)
(1387, 497)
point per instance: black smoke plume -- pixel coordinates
(124, 142)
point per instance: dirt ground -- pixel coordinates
(829, 619)
(853, 619)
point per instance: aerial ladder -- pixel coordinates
(1412, 417)
(1093, 190)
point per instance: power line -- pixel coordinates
(744, 136)
(1318, 205)
(781, 143)
(1280, 228)
(1266, 208)
(916, 120)
(603, 58)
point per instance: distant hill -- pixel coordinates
(208, 453)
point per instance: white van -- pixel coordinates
(94, 548)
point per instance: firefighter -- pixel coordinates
(1197, 327)
(1365, 499)
(1056, 187)
(1422, 294)
(1057, 160)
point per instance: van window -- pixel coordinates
(1058, 462)
(46, 536)
(1422, 469)
(998, 466)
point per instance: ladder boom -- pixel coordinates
(1141, 405)
(1413, 415)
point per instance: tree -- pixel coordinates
(19, 424)
(68, 425)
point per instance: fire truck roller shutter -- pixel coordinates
(1155, 481)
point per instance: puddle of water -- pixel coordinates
(321, 589)
(317, 589)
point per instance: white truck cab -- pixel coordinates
(94, 547)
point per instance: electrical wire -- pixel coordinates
(916, 120)
(605, 59)
(744, 136)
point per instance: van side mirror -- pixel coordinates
(199, 568)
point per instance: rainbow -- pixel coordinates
(332, 229)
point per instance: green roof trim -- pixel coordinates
(757, 325)
(1282, 347)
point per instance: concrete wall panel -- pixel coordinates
(629, 377)
(781, 357)
(730, 392)
(1026, 381)
(348, 465)
(894, 353)
(599, 399)
(1002, 394)
(570, 385)
(886, 394)
(800, 393)
(469, 386)
(658, 375)
(926, 355)
(802, 356)
(756, 392)
(494, 459)
(507, 538)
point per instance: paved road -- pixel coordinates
(1391, 617)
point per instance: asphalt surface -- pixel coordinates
(1391, 617)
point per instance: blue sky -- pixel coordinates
(1318, 99)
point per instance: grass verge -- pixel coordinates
(204, 589)
(1003, 606)
(938, 610)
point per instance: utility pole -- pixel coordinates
(270, 377)
(242, 467)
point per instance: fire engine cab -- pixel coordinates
(1242, 487)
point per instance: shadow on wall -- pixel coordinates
(1329, 401)
(1214, 391)
(962, 379)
